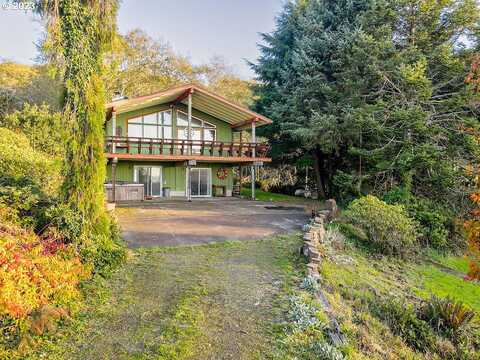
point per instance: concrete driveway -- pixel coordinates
(177, 222)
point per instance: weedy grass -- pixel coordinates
(222, 300)
(377, 327)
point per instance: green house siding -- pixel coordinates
(124, 172)
(173, 174)
(228, 181)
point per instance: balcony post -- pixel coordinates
(254, 141)
(189, 148)
(114, 128)
(189, 135)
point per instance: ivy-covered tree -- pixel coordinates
(80, 32)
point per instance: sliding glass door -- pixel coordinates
(201, 182)
(151, 178)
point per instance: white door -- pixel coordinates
(151, 178)
(200, 182)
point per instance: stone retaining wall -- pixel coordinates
(314, 235)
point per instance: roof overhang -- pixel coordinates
(202, 99)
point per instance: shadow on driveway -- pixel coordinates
(178, 222)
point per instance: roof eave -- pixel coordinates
(143, 101)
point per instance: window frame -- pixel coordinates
(211, 127)
(159, 125)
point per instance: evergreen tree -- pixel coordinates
(276, 58)
(375, 91)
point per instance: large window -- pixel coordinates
(201, 130)
(157, 125)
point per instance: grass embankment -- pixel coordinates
(215, 301)
(357, 283)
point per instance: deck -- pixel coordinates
(135, 148)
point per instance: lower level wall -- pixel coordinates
(174, 174)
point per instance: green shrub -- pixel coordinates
(310, 284)
(435, 222)
(448, 317)
(20, 163)
(303, 314)
(398, 195)
(404, 322)
(43, 128)
(104, 253)
(65, 220)
(387, 227)
(29, 180)
(29, 186)
(25, 202)
(321, 350)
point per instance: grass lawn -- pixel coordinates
(437, 282)
(457, 263)
(270, 196)
(232, 300)
(214, 301)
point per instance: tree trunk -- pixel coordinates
(320, 174)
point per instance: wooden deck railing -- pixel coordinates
(150, 146)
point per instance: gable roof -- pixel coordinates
(202, 99)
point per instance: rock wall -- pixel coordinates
(314, 236)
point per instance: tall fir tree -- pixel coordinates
(276, 58)
(374, 91)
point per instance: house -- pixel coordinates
(184, 141)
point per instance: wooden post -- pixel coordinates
(240, 149)
(252, 175)
(189, 135)
(189, 151)
(114, 129)
(240, 170)
(188, 189)
(114, 178)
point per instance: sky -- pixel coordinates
(198, 29)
